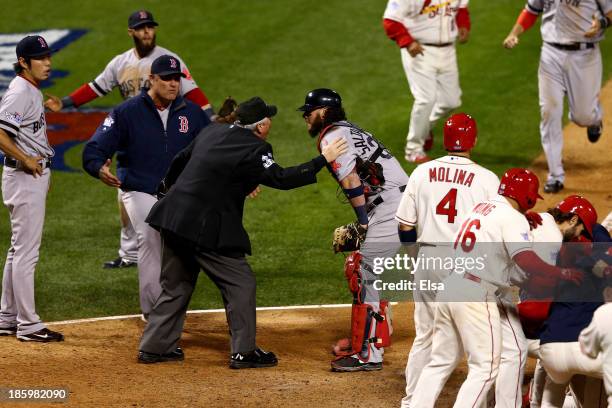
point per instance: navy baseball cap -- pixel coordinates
(254, 110)
(166, 65)
(141, 17)
(33, 46)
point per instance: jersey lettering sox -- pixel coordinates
(131, 73)
(440, 194)
(429, 21)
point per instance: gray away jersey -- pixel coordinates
(22, 116)
(566, 21)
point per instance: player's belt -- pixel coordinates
(474, 278)
(573, 46)
(448, 44)
(379, 200)
(16, 164)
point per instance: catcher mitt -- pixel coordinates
(348, 238)
(226, 112)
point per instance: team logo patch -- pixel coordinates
(172, 63)
(142, 14)
(183, 124)
(108, 122)
(42, 42)
(525, 236)
(267, 160)
(13, 117)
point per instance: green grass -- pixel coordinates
(278, 49)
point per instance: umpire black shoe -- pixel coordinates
(8, 331)
(553, 186)
(594, 132)
(149, 358)
(119, 263)
(350, 364)
(42, 336)
(253, 359)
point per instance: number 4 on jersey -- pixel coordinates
(446, 206)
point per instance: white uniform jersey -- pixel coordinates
(131, 73)
(22, 116)
(596, 339)
(493, 232)
(362, 146)
(440, 193)
(428, 21)
(566, 21)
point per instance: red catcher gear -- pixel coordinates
(460, 133)
(580, 206)
(521, 185)
(353, 274)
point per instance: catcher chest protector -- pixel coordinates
(363, 315)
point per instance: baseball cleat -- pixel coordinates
(253, 359)
(8, 331)
(150, 358)
(119, 263)
(553, 186)
(349, 364)
(417, 157)
(429, 142)
(594, 132)
(42, 336)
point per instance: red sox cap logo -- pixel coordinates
(184, 124)
(42, 42)
(142, 14)
(172, 63)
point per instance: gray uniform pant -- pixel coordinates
(576, 74)
(128, 240)
(180, 268)
(138, 205)
(25, 198)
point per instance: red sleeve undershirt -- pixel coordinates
(463, 18)
(197, 96)
(531, 263)
(83, 95)
(527, 19)
(397, 32)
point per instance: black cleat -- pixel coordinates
(119, 263)
(149, 358)
(594, 132)
(8, 331)
(553, 187)
(253, 359)
(42, 336)
(350, 364)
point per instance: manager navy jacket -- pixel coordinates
(209, 182)
(134, 130)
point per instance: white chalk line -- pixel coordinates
(133, 316)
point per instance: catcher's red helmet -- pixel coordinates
(460, 133)
(580, 206)
(521, 185)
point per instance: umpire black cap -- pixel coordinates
(254, 110)
(319, 98)
(33, 46)
(141, 17)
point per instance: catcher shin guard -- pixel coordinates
(363, 317)
(384, 329)
(353, 275)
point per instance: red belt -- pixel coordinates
(471, 277)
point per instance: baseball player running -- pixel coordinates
(25, 182)
(438, 196)
(129, 72)
(146, 131)
(372, 180)
(469, 314)
(570, 64)
(426, 32)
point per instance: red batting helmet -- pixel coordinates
(460, 133)
(521, 185)
(580, 206)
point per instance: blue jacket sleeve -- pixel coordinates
(103, 144)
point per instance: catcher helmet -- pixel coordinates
(580, 206)
(318, 98)
(521, 185)
(460, 133)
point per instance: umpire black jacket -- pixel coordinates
(210, 180)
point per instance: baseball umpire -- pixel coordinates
(25, 182)
(200, 220)
(373, 181)
(146, 131)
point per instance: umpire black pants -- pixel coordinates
(181, 265)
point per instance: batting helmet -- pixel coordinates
(580, 206)
(460, 133)
(318, 98)
(521, 185)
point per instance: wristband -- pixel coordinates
(67, 102)
(362, 214)
(354, 192)
(604, 22)
(406, 237)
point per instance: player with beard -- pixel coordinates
(129, 72)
